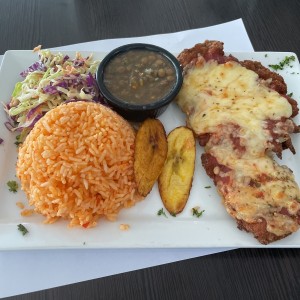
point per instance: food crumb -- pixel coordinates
(124, 227)
(20, 205)
(27, 212)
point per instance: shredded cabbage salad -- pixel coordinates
(52, 80)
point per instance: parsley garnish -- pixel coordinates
(161, 212)
(285, 62)
(173, 214)
(207, 187)
(266, 55)
(196, 212)
(23, 229)
(12, 186)
(18, 140)
(290, 94)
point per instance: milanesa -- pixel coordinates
(240, 113)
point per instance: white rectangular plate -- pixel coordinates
(147, 230)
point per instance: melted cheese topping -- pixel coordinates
(215, 96)
(265, 200)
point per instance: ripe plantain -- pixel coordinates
(175, 180)
(150, 154)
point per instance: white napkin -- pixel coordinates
(29, 271)
(233, 34)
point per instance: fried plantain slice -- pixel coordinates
(150, 154)
(175, 180)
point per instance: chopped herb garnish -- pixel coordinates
(12, 186)
(207, 187)
(18, 140)
(285, 62)
(173, 214)
(266, 55)
(196, 212)
(23, 229)
(161, 213)
(290, 94)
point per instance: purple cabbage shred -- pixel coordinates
(34, 67)
(90, 80)
(9, 126)
(78, 63)
(32, 111)
(50, 89)
(66, 58)
(62, 84)
(36, 118)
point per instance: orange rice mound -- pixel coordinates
(77, 164)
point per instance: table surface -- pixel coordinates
(272, 25)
